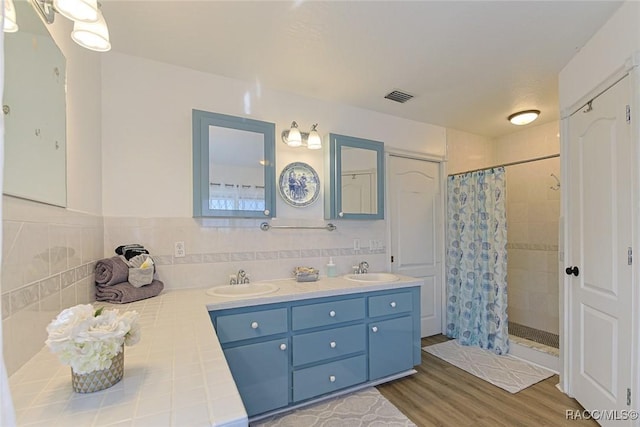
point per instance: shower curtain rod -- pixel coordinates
(551, 156)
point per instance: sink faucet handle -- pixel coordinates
(364, 267)
(356, 269)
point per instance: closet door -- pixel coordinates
(415, 202)
(598, 264)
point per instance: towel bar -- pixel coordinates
(329, 227)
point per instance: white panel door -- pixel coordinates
(599, 213)
(416, 230)
(356, 193)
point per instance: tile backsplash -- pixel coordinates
(218, 248)
(49, 254)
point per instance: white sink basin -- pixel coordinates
(372, 277)
(248, 290)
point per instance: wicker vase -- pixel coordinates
(99, 380)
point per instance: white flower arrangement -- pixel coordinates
(87, 339)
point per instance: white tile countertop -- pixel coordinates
(175, 376)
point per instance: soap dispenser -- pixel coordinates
(331, 268)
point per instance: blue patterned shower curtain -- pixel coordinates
(477, 260)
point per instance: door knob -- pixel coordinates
(572, 270)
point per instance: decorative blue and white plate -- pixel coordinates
(299, 184)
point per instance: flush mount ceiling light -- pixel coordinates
(524, 117)
(294, 138)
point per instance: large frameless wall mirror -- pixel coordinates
(355, 188)
(34, 108)
(233, 166)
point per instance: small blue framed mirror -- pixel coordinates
(233, 166)
(355, 185)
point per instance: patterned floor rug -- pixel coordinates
(506, 372)
(364, 408)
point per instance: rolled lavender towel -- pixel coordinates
(123, 293)
(110, 271)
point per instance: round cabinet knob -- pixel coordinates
(332, 313)
(254, 325)
(332, 378)
(333, 344)
(283, 347)
(374, 329)
(267, 211)
(341, 214)
(393, 304)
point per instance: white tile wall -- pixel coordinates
(217, 248)
(49, 254)
(533, 211)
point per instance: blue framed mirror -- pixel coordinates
(233, 166)
(355, 185)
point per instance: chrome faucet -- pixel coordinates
(242, 278)
(362, 268)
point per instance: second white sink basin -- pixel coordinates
(248, 290)
(372, 277)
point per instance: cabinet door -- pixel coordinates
(261, 374)
(390, 347)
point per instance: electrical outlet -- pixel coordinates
(356, 244)
(178, 250)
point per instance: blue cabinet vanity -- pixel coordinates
(288, 353)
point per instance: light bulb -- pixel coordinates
(10, 22)
(314, 142)
(92, 35)
(294, 139)
(78, 10)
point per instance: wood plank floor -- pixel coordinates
(441, 394)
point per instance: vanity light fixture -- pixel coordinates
(77, 10)
(524, 117)
(294, 138)
(10, 24)
(89, 29)
(92, 35)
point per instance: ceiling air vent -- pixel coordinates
(398, 96)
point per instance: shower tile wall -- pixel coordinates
(533, 211)
(49, 255)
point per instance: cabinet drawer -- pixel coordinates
(327, 313)
(383, 305)
(242, 326)
(317, 346)
(311, 382)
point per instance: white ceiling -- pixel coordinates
(469, 63)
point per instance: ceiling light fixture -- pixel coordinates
(294, 138)
(524, 117)
(89, 29)
(10, 24)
